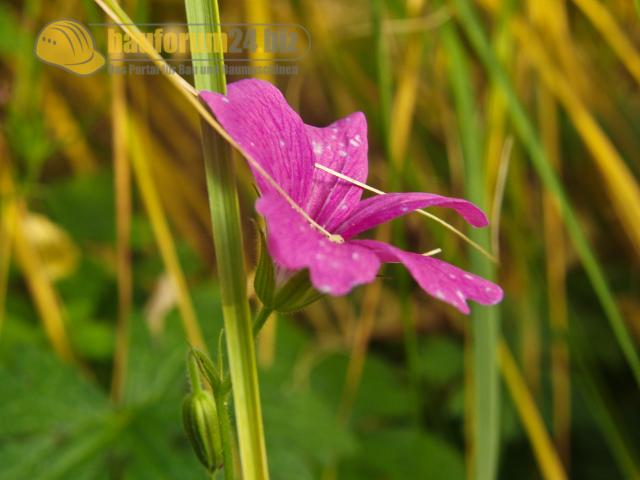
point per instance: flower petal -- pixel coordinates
(257, 116)
(342, 146)
(380, 209)
(440, 279)
(294, 244)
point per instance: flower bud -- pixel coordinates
(200, 418)
(295, 294)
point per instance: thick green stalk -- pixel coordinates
(525, 130)
(203, 16)
(485, 321)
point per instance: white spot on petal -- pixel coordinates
(452, 276)
(281, 143)
(468, 277)
(358, 138)
(225, 99)
(439, 294)
(354, 143)
(342, 153)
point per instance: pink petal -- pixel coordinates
(342, 146)
(294, 244)
(440, 279)
(257, 116)
(380, 209)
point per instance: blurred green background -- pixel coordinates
(530, 108)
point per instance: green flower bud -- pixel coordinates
(295, 294)
(200, 418)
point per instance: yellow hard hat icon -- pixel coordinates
(69, 45)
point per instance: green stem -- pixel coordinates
(485, 321)
(194, 374)
(203, 16)
(225, 435)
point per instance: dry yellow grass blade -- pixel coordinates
(258, 12)
(551, 17)
(7, 228)
(67, 131)
(601, 18)
(550, 465)
(139, 140)
(14, 214)
(404, 101)
(122, 187)
(40, 286)
(620, 183)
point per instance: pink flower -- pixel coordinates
(258, 118)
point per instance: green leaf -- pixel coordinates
(402, 454)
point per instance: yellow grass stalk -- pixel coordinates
(7, 228)
(620, 183)
(68, 132)
(122, 187)
(138, 142)
(40, 285)
(550, 465)
(605, 23)
(404, 101)
(257, 12)
(50, 310)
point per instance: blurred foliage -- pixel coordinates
(399, 407)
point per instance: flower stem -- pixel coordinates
(203, 17)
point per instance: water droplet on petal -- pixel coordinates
(342, 153)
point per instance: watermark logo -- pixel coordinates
(248, 49)
(68, 44)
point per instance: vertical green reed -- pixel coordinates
(484, 321)
(203, 16)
